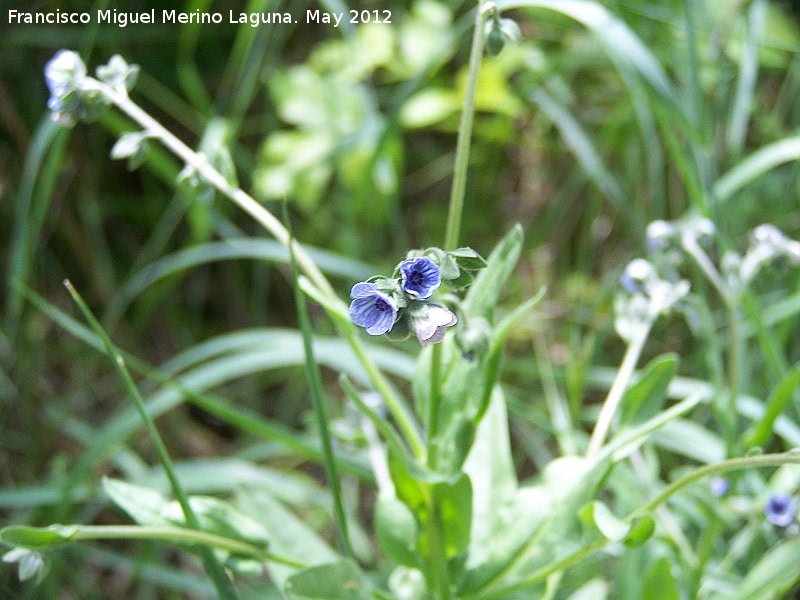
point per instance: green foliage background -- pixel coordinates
(356, 127)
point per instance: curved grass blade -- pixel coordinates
(759, 162)
(213, 567)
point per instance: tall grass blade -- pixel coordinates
(39, 175)
(746, 83)
(212, 565)
(318, 397)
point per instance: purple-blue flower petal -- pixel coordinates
(780, 509)
(372, 309)
(420, 277)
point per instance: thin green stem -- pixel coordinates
(405, 421)
(734, 464)
(734, 354)
(214, 568)
(465, 132)
(617, 390)
(179, 534)
(440, 577)
(434, 400)
(318, 399)
(279, 232)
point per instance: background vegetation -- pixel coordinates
(581, 136)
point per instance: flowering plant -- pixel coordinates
(424, 433)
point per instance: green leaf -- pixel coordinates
(35, 538)
(334, 581)
(783, 393)
(396, 530)
(144, 505)
(644, 399)
(484, 293)
(467, 258)
(454, 445)
(455, 508)
(596, 516)
(288, 535)
(659, 582)
(641, 531)
(775, 574)
(449, 268)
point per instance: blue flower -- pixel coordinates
(780, 509)
(719, 486)
(64, 73)
(431, 328)
(420, 277)
(372, 308)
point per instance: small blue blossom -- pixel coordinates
(64, 73)
(719, 486)
(636, 274)
(780, 509)
(420, 277)
(431, 328)
(372, 308)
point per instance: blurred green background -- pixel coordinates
(355, 126)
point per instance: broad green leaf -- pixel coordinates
(498, 543)
(334, 581)
(288, 535)
(484, 293)
(454, 444)
(144, 505)
(396, 530)
(783, 393)
(36, 538)
(659, 582)
(491, 470)
(596, 516)
(773, 575)
(644, 399)
(455, 509)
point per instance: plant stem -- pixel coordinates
(734, 464)
(179, 534)
(278, 231)
(440, 578)
(465, 133)
(214, 568)
(618, 388)
(434, 400)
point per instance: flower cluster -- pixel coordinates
(670, 241)
(649, 294)
(404, 303)
(74, 95)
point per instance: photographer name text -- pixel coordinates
(172, 17)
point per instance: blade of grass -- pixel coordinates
(739, 117)
(756, 164)
(230, 249)
(588, 157)
(186, 387)
(213, 567)
(318, 396)
(39, 175)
